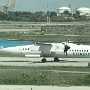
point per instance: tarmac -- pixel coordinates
(32, 87)
(18, 61)
(22, 61)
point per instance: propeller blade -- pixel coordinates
(66, 53)
(66, 49)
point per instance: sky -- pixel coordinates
(41, 5)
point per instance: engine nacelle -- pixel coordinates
(32, 56)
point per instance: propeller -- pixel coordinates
(66, 48)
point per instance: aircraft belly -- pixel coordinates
(63, 55)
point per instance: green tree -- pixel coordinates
(52, 14)
(85, 80)
(16, 14)
(77, 13)
(3, 16)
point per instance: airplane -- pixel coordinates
(10, 45)
(56, 50)
(63, 50)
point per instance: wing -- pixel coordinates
(44, 47)
(49, 47)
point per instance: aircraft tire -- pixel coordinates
(56, 59)
(44, 60)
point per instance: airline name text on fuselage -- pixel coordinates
(81, 53)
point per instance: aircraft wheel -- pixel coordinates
(44, 60)
(56, 59)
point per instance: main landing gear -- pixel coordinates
(56, 59)
(44, 60)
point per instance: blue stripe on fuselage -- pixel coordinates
(7, 43)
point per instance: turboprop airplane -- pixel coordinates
(62, 50)
(56, 50)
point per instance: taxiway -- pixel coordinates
(22, 61)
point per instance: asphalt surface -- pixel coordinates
(29, 87)
(19, 61)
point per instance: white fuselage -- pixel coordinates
(27, 49)
(57, 50)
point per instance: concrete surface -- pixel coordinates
(18, 61)
(30, 87)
